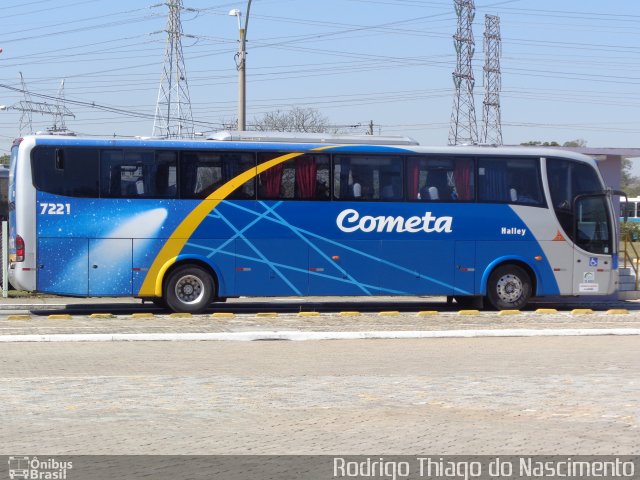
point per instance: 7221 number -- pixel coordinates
(55, 208)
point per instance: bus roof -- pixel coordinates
(286, 141)
(302, 137)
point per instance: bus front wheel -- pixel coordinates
(509, 287)
(189, 289)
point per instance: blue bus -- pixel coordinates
(630, 209)
(188, 223)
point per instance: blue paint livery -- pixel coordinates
(104, 247)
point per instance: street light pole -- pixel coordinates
(241, 64)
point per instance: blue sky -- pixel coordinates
(570, 69)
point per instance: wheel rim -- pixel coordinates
(509, 288)
(189, 289)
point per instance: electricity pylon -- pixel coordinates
(464, 129)
(491, 123)
(28, 106)
(58, 117)
(173, 118)
(26, 117)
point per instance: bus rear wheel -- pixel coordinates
(189, 289)
(509, 287)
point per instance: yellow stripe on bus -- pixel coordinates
(152, 284)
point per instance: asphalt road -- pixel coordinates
(567, 395)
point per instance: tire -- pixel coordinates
(509, 288)
(189, 289)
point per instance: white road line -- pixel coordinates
(302, 336)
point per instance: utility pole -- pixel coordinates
(173, 118)
(463, 128)
(241, 65)
(491, 123)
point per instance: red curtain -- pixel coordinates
(413, 178)
(271, 181)
(462, 175)
(306, 174)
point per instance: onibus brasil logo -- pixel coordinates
(36, 469)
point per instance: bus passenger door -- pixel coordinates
(591, 273)
(110, 263)
(592, 257)
(62, 266)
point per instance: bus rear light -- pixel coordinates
(19, 249)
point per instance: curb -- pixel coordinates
(303, 336)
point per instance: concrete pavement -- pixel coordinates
(444, 396)
(247, 323)
(495, 396)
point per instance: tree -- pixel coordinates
(4, 159)
(578, 142)
(629, 183)
(538, 143)
(297, 119)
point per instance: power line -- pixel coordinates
(41, 10)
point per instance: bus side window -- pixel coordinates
(275, 182)
(138, 174)
(121, 178)
(71, 171)
(203, 173)
(368, 177)
(629, 208)
(510, 180)
(439, 178)
(166, 174)
(237, 163)
(492, 181)
(110, 176)
(312, 177)
(301, 178)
